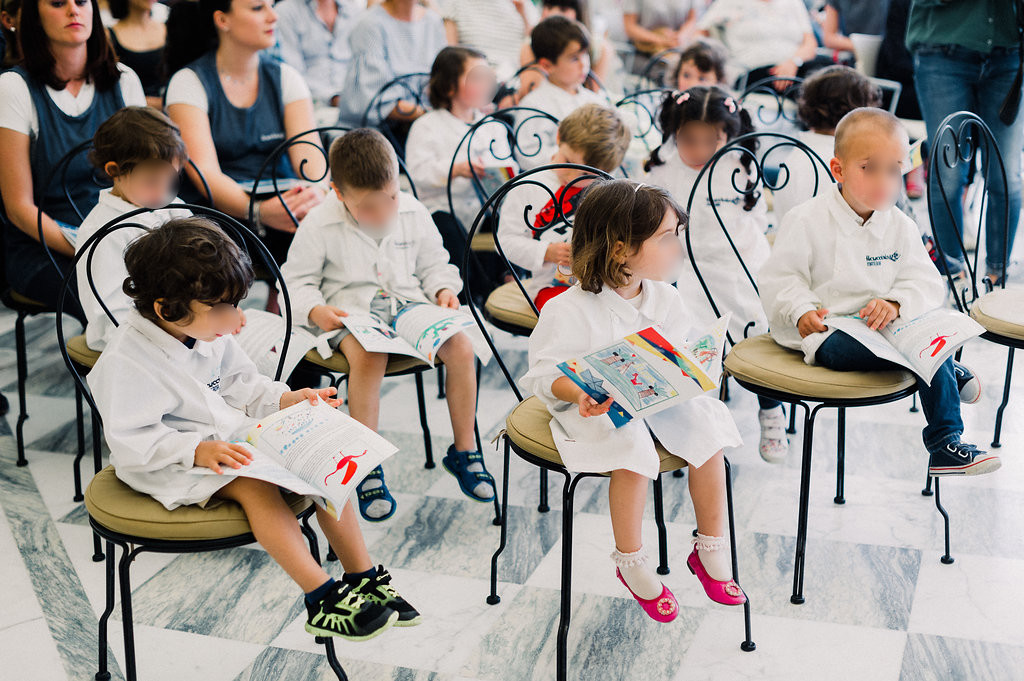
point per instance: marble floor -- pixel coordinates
(880, 605)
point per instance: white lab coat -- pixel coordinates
(799, 185)
(721, 270)
(529, 128)
(825, 256)
(332, 261)
(159, 400)
(108, 270)
(516, 237)
(434, 140)
(577, 322)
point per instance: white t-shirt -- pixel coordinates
(18, 113)
(758, 32)
(186, 88)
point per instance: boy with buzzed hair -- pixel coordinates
(850, 251)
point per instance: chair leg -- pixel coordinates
(440, 382)
(1002, 405)
(332, 659)
(792, 420)
(946, 559)
(124, 570)
(927, 491)
(805, 492)
(659, 520)
(913, 404)
(493, 598)
(542, 506)
(841, 457)
(421, 401)
(103, 674)
(22, 361)
(748, 644)
(97, 453)
(561, 648)
(677, 473)
(80, 432)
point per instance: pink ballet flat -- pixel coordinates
(726, 593)
(664, 608)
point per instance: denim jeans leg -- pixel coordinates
(940, 403)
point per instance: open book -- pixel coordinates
(493, 176)
(921, 344)
(311, 449)
(262, 338)
(418, 330)
(644, 373)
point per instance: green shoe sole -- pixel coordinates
(317, 631)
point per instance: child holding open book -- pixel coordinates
(851, 251)
(176, 392)
(625, 247)
(370, 248)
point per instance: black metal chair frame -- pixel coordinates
(131, 546)
(705, 179)
(571, 480)
(765, 86)
(963, 140)
(409, 87)
(647, 80)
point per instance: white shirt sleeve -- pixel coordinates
(514, 233)
(303, 270)
(243, 387)
(433, 264)
(16, 110)
(186, 88)
(918, 287)
(784, 281)
(131, 87)
(562, 333)
(293, 85)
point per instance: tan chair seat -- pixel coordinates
(507, 304)
(338, 363)
(29, 305)
(81, 354)
(483, 242)
(1001, 312)
(528, 426)
(119, 508)
(763, 362)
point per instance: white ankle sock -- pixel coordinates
(714, 556)
(638, 576)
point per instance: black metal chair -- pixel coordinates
(767, 369)
(656, 72)
(770, 108)
(395, 104)
(963, 141)
(137, 523)
(527, 431)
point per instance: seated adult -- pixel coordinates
(843, 18)
(138, 41)
(656, 25)
(67, 83)
(495, 27)
(392, 39)
(234, 106)
(765, 37)
(314, 39)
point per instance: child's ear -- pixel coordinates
(110, 168)
(545, 63)
(337, 192)
(619, 252)
(836, 166)
(158, 308)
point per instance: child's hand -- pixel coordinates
(446, 298)
(589, 406)
(811, 322)
(313, 395)
(560, 254)
(212, 453)
(327, 317)
(241, 322)
(878, 313)
(468, 169)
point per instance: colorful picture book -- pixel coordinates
(418, 330)
(311, 449)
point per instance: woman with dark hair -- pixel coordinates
(138, 39)
(67, 83)
(234, 105)
(9, 13)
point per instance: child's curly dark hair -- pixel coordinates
(714, 106)
(831, 93)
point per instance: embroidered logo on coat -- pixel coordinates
(214, 385)
(877, 260)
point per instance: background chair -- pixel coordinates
(767, 369)
(396, 105)
(528, 434)
(137, 523)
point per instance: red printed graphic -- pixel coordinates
(936, 345)
(349, 465)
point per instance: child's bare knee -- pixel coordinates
(359, 360)
(458, 348)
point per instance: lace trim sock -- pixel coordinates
(717, 563)
(638, 576)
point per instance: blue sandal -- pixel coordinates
(368, 496)
(457, 463)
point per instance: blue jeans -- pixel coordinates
(940, 401)
(951, 78)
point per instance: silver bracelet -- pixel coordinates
(257, 223)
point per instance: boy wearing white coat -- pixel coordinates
(850, 251)
(176, 391)
(371, 248)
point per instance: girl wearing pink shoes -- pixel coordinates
(625, 247)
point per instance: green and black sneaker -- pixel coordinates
(346, 614)
(378, 589)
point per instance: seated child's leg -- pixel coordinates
(366, 372)
(842, 352)
(627, 494)
(275, 528)
(460, 388)
(707, 490)
(940, 403)
(774, 443)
